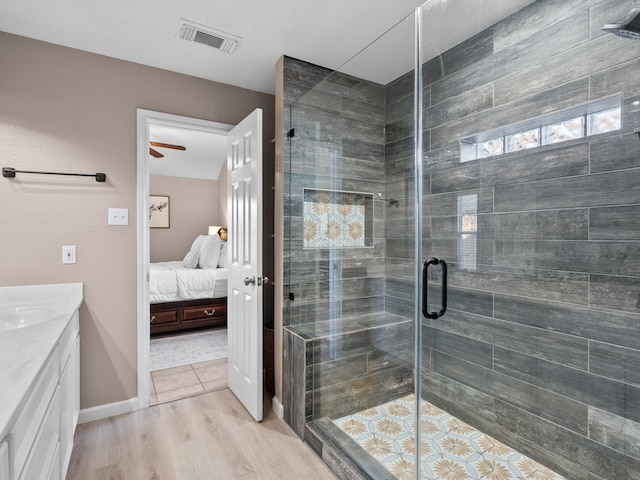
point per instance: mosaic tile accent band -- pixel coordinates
(450, 449)
(334, 219)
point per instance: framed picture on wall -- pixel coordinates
(158, 211)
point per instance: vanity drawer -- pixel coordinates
(46, 445)
(55, 470)
(204, 311)
(169, 316)
(67, 340)
(4, 461)
(26, 428)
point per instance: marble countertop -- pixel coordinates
(24, 351)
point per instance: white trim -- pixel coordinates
(145, 118)
(277, 407)
(108, 410)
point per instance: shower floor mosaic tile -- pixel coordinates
(450, 449)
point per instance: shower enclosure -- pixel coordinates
(462, 247)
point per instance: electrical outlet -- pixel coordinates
(118, 216)
(69, 254)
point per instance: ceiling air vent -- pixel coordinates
(208, 36)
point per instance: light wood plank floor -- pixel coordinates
(206, 437)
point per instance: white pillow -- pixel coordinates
(223, 262)
(191, 258)
(210, 252)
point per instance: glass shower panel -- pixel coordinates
(350, 250)
(530, 372)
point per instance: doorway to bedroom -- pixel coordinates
(183, 351)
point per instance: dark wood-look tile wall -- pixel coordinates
(542, 339)
(339, 144)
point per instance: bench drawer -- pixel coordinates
(169, 316)
(205, 311)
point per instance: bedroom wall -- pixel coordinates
(194, 205)
(67, 110)
(222, 195)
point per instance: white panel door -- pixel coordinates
(244, 300)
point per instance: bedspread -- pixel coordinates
(171, 281)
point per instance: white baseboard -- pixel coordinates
(108, 410)
(277, 407)
(131, 405)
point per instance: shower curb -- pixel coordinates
(330, 444)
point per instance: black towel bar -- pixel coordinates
(11, 173)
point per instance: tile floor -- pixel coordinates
(186, 381)
(450, 449)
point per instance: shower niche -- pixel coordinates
(336, 219)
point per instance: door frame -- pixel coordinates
(146, 118)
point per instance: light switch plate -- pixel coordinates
(118, 216)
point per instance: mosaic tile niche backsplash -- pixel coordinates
(334, 219)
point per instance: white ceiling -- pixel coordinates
(203, 158)
(327, 33)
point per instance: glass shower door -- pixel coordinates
(530, 197)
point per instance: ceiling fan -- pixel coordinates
(157, 154)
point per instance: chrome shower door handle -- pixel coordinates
(425, 285)
(250, 281)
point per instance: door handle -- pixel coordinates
(252, 281)
(425, 284)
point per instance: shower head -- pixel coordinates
(628, 27)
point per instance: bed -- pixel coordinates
(183, 295)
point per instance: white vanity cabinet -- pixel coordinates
(33, 431)
(69, 391)
(38, 417)
(41, 440)
(4, 461)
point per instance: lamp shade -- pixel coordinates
(213, 229)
